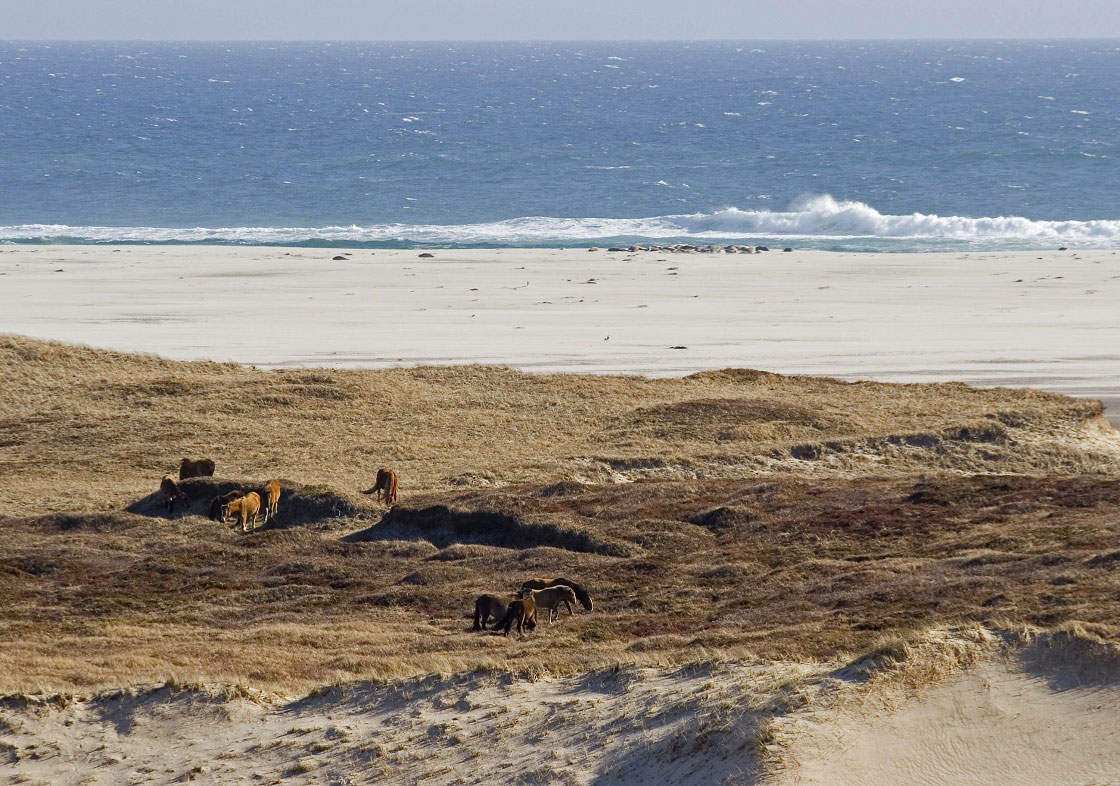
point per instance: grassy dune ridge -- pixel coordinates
(727, 515)
(90, 429)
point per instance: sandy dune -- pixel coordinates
(993, 724)
(1003, 719)
(1020, 318)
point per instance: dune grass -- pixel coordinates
(91, 429)
(726, 515)
(791, 568)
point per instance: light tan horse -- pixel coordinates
(551, 599)
(581, 593)
(246, 508)
(273, 489)
(385, 486)
(218, 504)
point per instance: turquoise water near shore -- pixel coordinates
(854, 145)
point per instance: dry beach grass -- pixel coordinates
(756, 545)
(85, 429)
(725, 514)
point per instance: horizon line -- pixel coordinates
(1114, 38)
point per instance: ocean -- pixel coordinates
(875, 146)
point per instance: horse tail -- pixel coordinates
(478, 615)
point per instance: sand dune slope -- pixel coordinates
(961, 707)
(990, 725)
(1047, 713)
(692, 726)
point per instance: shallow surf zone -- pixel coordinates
(819, 222)
(961, 705)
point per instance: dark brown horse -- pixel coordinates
(523, 612)
(201, 468)
(171, 491)
(485, 607)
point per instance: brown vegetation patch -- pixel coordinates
(724, 515)
(821, 567)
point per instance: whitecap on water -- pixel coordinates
(820, 218)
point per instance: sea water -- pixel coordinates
(894, 146)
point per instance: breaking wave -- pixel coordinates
(816, 221)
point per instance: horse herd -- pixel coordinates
(547, 594)
(519, 611)
(246, 505)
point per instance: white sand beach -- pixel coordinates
(1045, 320)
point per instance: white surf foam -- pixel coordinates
(818, 218)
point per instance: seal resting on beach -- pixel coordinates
(202, 468)
(385, 486)
(539, 584)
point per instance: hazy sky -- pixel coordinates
(555, 19)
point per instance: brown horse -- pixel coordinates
(523, 612)
(171, 491)
(273, 490)
(202, 468)
(386, 485)
(581, 593)
(246, 508)
(218, 505)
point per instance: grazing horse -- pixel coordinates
(581, 593)
(273, 490)
(171, 491)
(246, 508)
(202, 468)
(485, 607)
(521, 611)
(218, 505)
(386, 485)
(551, 599)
